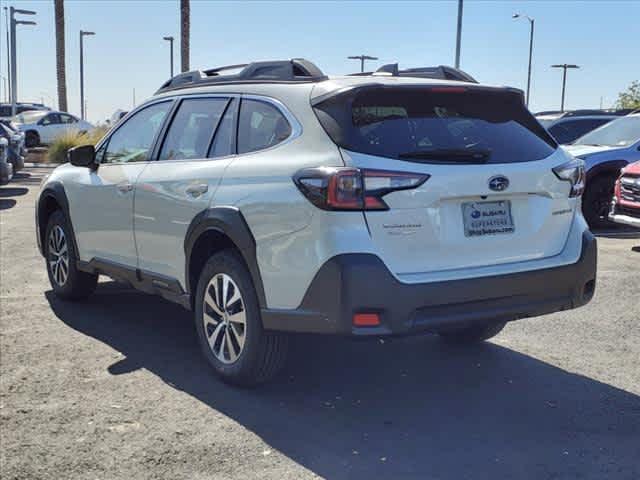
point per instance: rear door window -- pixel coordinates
(261, 126)
(224, 140)
(192, 128)
(436, 125)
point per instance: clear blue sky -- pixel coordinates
(128, 50)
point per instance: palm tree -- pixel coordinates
(185, 26)
(60, 63)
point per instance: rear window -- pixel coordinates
(425, 125)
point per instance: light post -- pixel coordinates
(6, 17)
(362, 58)
(531, 23)
(4, 88)
(14, 69)
(170, 40)
(82, 104)
(564, 67)
(459, 34)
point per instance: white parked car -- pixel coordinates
(41, 127)
(281, 200)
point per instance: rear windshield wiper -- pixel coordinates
(449, 155)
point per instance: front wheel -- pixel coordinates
(32, 139)
(229, 325)
(596, 201)
(473, 334)
(66, 280)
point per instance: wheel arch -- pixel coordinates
(213, 230)
(611, 167)
(52, 198)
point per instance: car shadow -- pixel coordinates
(410, 408)
(13, 191)
(7, 203)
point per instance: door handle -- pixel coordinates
(125, 187)
(197, 190)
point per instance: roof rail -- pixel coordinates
(441, 72)
(548, 112)
(276, 71)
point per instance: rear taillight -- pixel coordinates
(572, 172)
(346, 188)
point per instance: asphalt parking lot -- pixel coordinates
(116, 388)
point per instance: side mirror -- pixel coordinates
(82, 156)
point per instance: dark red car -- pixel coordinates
(625, 206)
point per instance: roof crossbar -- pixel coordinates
(441, 72)
(289, 71)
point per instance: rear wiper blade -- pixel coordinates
(449, 155)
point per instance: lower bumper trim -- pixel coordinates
(361, 283)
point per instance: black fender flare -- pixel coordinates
(610, 166)
(54, 190)
(230, 222)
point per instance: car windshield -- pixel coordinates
(29, 117)
(619, 133)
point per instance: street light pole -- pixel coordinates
(362, 58)
(82, 104)
(170, 40)
(531, 23)
(564, 67)
(14, 69)
(6, 17)
(459, 34)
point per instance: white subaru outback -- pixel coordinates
(278, 200)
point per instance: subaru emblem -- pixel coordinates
(498, 183)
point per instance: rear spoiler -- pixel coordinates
(441, 87)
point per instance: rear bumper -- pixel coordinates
(361, 283)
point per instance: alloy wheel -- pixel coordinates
(58, 255)
(224, 318)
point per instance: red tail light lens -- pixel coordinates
(345, 188)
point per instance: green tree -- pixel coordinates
(630, 98)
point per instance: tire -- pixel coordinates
(597, 200)
(66, 280)
(474, 334)
(257, 355)
(32, 139)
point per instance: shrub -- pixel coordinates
(72, 138)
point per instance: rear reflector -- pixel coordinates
(366, 320)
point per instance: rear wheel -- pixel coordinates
(229, 326)
(474, 334)
(32, 139)
(596, 201)
(66, 280)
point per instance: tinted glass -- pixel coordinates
(5, 111)
(51, 119)
(619, 133)
(223, 141)
(133, 141)
(192, 128)
(422, 125)
(261, 126)
(568, 131)
(67, 118)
